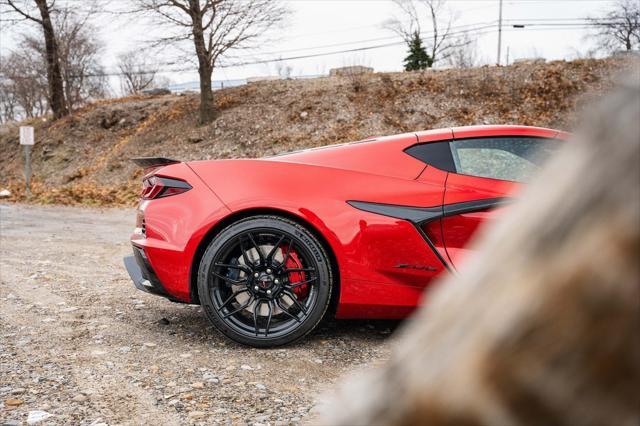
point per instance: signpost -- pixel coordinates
(26, 140)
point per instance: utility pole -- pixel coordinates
(499, 32)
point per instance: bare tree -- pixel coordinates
(439, 41)
(79, 54)
(464, 54)
(136, 72)
(41, 15)
(24, 83)
(8, 102)
(80, 69)
(619, 29)
(9, 105)
(408, 24)
(215, 27)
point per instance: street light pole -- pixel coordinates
(499, 32)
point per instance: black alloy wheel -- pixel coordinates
(265, 281)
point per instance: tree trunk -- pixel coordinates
(541, 327)
(206, 109)
(54, 75)
(205, 65)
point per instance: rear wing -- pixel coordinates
(149, 162)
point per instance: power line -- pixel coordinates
(374, 39)
(477, 31)
(292, 58)
(469, 29)
(393, 41)
(480, 31)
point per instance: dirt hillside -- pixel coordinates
(83, 159)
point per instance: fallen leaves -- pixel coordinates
(12, 402)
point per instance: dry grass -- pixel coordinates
(86, 194)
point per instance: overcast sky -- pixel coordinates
(352, 24)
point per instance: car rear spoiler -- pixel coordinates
(148, 162)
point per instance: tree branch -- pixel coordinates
(22, 13)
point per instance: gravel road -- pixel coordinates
(78, 342)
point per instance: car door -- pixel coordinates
(488, 172)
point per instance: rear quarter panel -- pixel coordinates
(174, 228)
(367, 247)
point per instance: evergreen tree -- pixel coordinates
(418, 59)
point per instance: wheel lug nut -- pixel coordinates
(268, 291)
(256, 288)
(256, 275)
(277, 281)
(268, 271)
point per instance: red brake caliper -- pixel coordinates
(294, 277)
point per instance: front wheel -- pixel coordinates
(265, 281)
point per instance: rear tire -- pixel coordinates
(265, 281)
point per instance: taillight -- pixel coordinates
(159, 187)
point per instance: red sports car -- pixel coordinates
(268, 246)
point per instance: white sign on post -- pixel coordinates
(26, 135)
(26, 140)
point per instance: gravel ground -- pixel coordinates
(78, 342)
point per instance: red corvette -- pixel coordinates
(268, 246)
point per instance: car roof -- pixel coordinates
(494, 130)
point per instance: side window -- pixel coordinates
(437, 154)
(506, 158)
